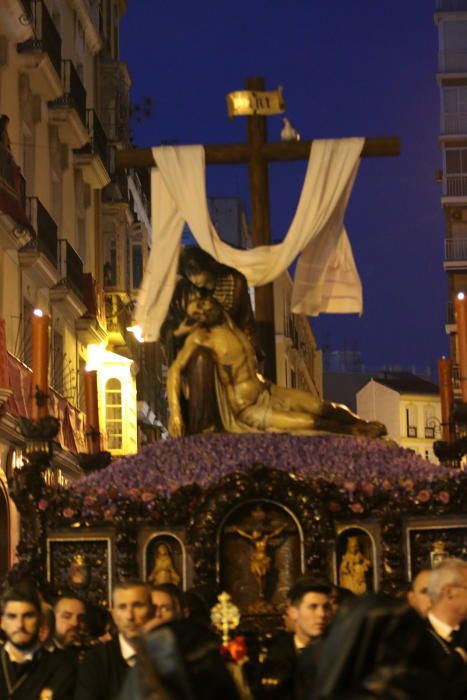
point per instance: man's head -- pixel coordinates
(310, 608)
(70, 620)
(417, 595)
(447, 589)
(131, 608)
(168, 603)
(21, 617)
(205, 311)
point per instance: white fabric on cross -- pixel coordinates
(326, 278)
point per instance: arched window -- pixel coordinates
(113, 414)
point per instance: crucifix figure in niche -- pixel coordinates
(260, 561)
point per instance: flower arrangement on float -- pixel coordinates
(352, 476)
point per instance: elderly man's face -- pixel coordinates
(457, 597)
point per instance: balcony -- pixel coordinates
(455, 254)
(15, 227)
(92, 159)
(39, 256)
(117, 191)
(41, 55)
(452, 61)
(454, 189)
(91, 327)
(68, 112)
(67, 296)
(454, 124)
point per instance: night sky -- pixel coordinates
(360, 68)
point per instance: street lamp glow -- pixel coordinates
(38, 312)
(137, 332)
(461, 296)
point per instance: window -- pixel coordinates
(136, 265)
(113, 414)
(456, 172)
(110, 261)
(26, 354)
(454, 110)
(411, 420)
(57, 366)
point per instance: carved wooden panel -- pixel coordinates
(81, 564)
(260, 555)
(428, 542)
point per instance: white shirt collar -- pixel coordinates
(127, 651)
(17, 656)
(441, 628)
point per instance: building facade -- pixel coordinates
(74, 234)
(451, 22)
(408, 406)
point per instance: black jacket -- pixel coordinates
(102, 672)
(48, 669)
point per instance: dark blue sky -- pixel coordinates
(365, 67)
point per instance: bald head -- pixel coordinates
(418, 596)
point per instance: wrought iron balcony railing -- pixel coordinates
(70, 267)
(98, 143)
(455, 186)
(74, 94)
(454, 123)
(46, 36)
(455, 249)
(45, 227)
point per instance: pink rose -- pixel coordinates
(408, 485)
(89, 501)
(387, 486)
(356, 507)
(423, 496)
(349, 485)
(68, 512)
(444, 497)
(368, 489)
(43, 504)
(147, 496)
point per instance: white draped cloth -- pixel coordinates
(326, 278)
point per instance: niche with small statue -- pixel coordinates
(260, 555)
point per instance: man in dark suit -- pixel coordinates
(103, 671)
(27, 669)
(447, 588)
(309, 613)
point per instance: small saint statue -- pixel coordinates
(164, 570)
(353, 568)
(78, 572)
(438, 553)
(260, 562)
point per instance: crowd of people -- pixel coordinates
(157, 644)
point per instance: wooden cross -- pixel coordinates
(258, 153)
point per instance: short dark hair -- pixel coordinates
(69, 595)
(308, 584)
(131, 583)
(174, 592)
(21, 594)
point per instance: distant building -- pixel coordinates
(298, 361)
(408, 405)
(451, 21)
(229, 218)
